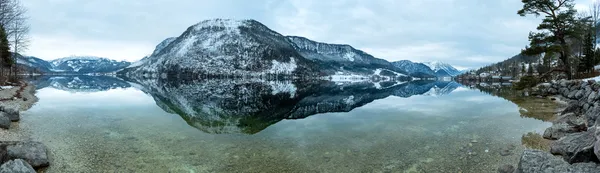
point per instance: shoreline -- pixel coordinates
(17, 152)
(575, 145)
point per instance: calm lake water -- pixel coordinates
(104, 124)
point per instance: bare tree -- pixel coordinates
(13, 18)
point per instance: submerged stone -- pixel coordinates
(12, 114)
(4, 122)
(16, 166)
(506, 169)
(35, 153)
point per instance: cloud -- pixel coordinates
(465, 33)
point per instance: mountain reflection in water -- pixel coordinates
(249, 106)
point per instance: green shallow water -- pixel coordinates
(123, 130)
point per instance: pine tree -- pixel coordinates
(523, 69)
(530, 70)
(5, 56)
(558, 24)
(588, 52)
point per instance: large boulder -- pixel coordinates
(592, 114)
(552, 91)
(35, 153)
(572, 107)
(576, 147)
(564, 92)
(536, 161)
(16, 166)
(564, 125)
(559, 130)
(11, 113)
(592, 97)
(572, 94)
(4, 122)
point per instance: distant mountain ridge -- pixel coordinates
(443, 69)
(72, 65)
(224, 47)
(247, 48)
(415, 69)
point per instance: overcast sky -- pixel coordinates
(464, 33)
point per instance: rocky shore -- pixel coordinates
(18, 156)
(576, 145)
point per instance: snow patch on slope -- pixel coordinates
(283, 67)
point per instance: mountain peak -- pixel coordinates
(226, 23)
(442, 68)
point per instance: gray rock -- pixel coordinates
(506, 169)
(552, 91)
(16, 166)
(592, 114)
(35, 153)
(576, 147)
(563, 91)
(4, 122)
(572, 107)
(11, 113)
(572, 94)
(597, 148)
(592, 97)
(561, 129)
(563, 83)
(535, 161)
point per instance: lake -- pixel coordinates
(105, 124)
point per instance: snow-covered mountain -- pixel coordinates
(442, 69)
(415, 69)
(87, 64)
(72, 65)
(340, 57)
(223, 47)
(31, 63)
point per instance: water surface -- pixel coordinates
(104, 124)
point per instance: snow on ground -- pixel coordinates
(377, 71)
(283, 87)
(347, 78)
(283, 67)
(186, 45)
(6, 87)
(597, 79)
(350, 56)
(377, 85)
